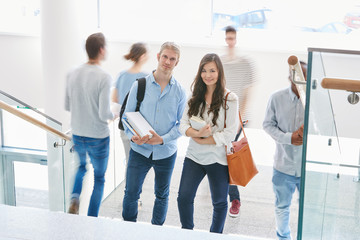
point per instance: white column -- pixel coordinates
(62, 49)
(65, 26)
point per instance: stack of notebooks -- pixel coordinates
(197, 123)
(137, 124)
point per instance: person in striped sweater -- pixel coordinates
(240, 77)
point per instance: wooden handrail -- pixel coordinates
(34, 121)
(341, 84)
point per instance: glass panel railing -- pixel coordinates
(330, 192)
(32, 191)
(13, 126)
(32, 168)
(36, 173)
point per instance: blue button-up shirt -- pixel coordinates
(163, 110)
(284, 115)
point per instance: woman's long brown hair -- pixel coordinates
(197, 102)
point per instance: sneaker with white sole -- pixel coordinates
(234, 209)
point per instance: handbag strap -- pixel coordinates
(242, 126)
(225, 108)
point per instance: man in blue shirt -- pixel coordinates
(284, 123)
(162, 107)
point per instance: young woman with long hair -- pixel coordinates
(206, 151)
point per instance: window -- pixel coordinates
(20, 17)
(203, 21)
(268, 24)
(156, 20)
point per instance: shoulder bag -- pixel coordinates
(240, 162)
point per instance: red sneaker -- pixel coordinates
(234, 210)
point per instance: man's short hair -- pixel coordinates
(230, 29)
(172, 46)
(94, 43)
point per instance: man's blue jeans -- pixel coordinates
(191, 177)
(137, 169)
(98, 151)
(284, 187)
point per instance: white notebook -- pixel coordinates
(125, 123)
(139, 124)
(197, 123)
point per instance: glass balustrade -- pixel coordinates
(36, 173)
(25, 166)
(330, 190)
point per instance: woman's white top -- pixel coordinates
(206, 154)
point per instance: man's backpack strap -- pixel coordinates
(140, 92)
(139, 98)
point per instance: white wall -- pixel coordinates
(21, 73)
(20, 69)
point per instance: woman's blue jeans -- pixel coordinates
(284, 187)
(137, 169)
(191, 177)
(98, 151)
(234, 193)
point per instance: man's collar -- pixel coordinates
(292, 94)
(172, 79)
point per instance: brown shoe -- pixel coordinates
(74, 206)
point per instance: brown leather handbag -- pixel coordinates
(240, 162)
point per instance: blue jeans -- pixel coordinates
(137, 169)
(98, 151)
(191, 177)
(284, 187)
